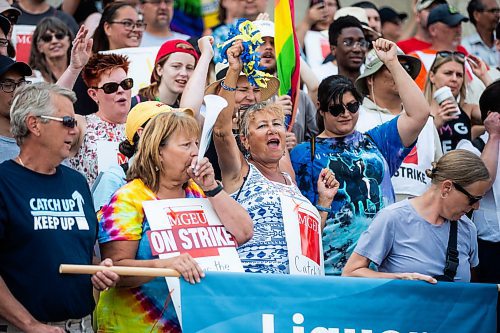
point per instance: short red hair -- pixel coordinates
(102, 63)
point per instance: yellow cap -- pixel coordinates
(141, 113)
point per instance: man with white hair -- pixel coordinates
(47, 219)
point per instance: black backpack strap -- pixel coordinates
(452, 261)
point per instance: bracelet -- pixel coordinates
(215, 191)
(223, 86)
(323, 209)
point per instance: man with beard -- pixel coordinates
(157, 15)
(305, 117)
(484, 15)
(12, 75)
(348, 46)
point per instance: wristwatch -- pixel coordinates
(215, 191)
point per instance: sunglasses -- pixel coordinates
(47, 38)
(112, 87)
(472, 198)
(446, 54)
(67, 121)
(337, 109)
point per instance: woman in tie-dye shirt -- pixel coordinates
(164, 168)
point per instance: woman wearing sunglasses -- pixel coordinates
(453, 125)
(410, 239)
(362, 163)
(51, 50)
(101, 132)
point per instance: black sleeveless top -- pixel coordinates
(455, 130)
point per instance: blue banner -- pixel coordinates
(264, 303)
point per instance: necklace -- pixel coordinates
(20, 161)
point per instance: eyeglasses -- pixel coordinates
(446, 54)
(47, 38)
(491, 10)
(131, 25)
(4, 42)
(9, 86)
(157, 2)
(67, 121)
(337, 109)
(349, 42)
(472, 198)
(112, 87)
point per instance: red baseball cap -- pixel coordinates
(173, 46)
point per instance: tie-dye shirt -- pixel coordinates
(363, 164)
(135, 309)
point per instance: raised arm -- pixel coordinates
(192, 97)
(491, 149)
(313, 15)
(80, 55)
(231, 160)
(310, 80)
(417, 110)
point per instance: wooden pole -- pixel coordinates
(120, 270)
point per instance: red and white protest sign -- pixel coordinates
(190, 226)
(109, 155)
(303, 236)
(21, 40)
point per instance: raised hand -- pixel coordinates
(233, 56)
(386, 50)
(81, 50)
(492, 123)
(205, 45)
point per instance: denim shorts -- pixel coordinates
(83, 325)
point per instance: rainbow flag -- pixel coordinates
(287, 53)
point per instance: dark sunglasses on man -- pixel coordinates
(337, 109)
(112, 87)
(67, 121)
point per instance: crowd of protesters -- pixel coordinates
(394, 141)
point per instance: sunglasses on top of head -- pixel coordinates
(48, 37)
(67, 121)
(446, 54)
(337, 109)
(112, 87)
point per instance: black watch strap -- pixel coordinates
(215, 191)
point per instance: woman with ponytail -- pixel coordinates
(410, 240)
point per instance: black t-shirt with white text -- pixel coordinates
(45, 221)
